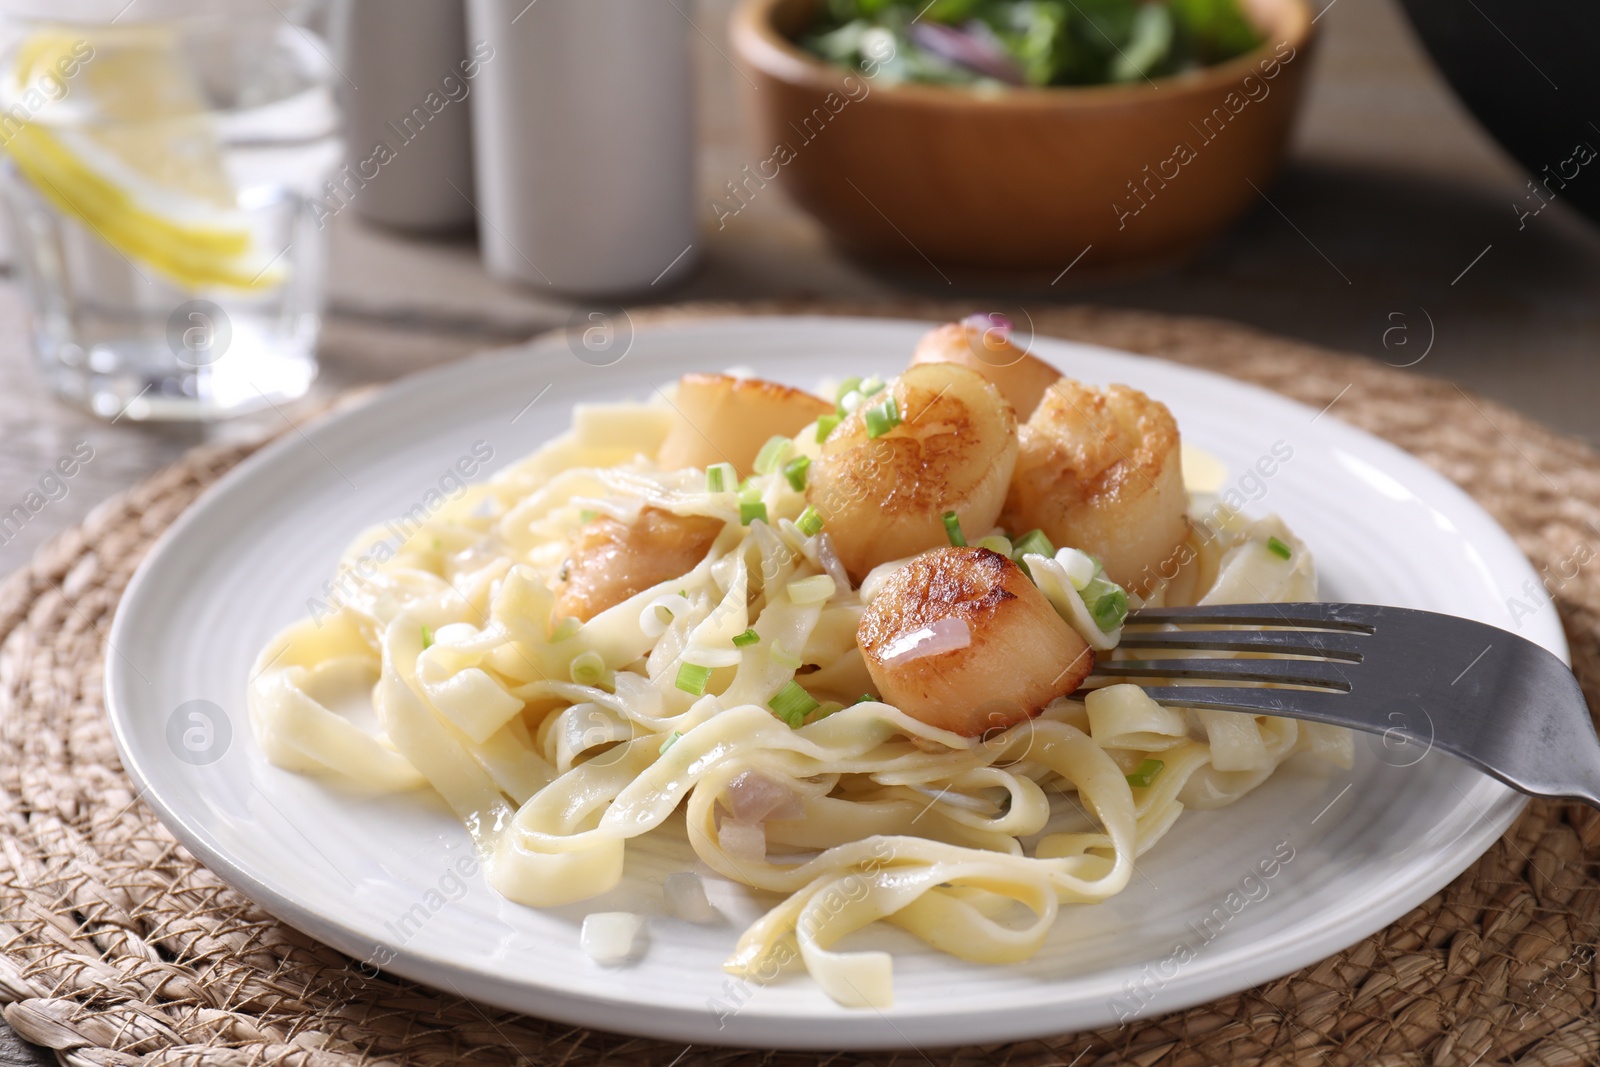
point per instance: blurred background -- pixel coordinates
(1397, 229)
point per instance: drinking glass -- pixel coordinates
(156, 177)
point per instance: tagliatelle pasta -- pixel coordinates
(733, 690)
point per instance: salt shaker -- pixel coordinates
(407, 82)
(583, 140)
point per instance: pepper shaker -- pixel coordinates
(407, 80)
(583, 134)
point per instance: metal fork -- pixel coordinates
(1485, 695)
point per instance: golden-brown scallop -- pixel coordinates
(1101, 470)
(612, 560)
(960, 639)
(987, 349)
(953, 450)
(722, 419)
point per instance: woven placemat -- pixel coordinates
(118, 948)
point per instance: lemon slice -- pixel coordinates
(145, 171)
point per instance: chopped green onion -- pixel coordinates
(952, 530)
(825, 426)
(827, 708)
(810, 521)
(751, 506)
(771, 453)
(1001, 545)
(749, 637)
(692, 678)
(1111, 611)
(588, 515)
(588, 669)
(1278, 548)
(812, 590)
(1107, 602)
(1145, 773)
(793, 704)
(783, 657)
(1095, 588)
(427, 637)
(1034, 543)
(671, 740)
(864, 698)
(846, 387)
(566, 628)
(881, 418)
(871, 385)
(795, 472)
(721, 478)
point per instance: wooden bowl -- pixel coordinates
(1018, 180)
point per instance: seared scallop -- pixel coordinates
(938, 439)
(722, 419)
(612, 560)
(980, 346)
(1101, 470)
(960, 639)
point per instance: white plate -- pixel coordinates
(1367, 846)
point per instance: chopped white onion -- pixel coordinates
(752, 797)
(942, 635)
(610, 936)
(686, 896)
(828, 560)
(1079, 565)
(669, 604)
(743, 840)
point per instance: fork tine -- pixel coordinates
(1320, 673)
(1354, 617)
(1345, 646)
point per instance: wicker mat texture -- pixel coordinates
(118, 948)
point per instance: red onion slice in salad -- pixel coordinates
(973, 46)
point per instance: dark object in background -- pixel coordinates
(1527, 70)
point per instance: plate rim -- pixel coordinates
(780, 1029)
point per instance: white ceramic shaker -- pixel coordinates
(583, 135)
(407, 82)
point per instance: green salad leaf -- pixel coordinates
(1028, 42)
(1217, 29)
